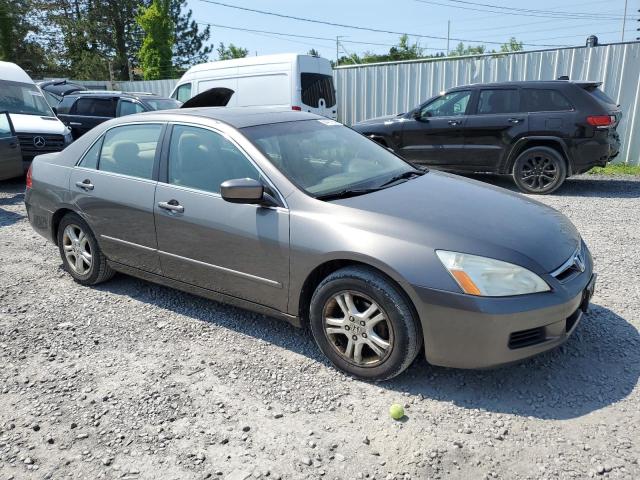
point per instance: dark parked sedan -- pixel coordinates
(296, 216)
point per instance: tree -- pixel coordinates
(313, 52)
(462, 50)
(227, 53)
(190, 45)
(512, 46)
(156, 51)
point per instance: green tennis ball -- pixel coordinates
(396, 411)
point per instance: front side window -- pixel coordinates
(130, 150)
(96, 107)
(323, 157)
(203, 159)
(23, 98)
(183, 93)
(498, 101)
(5, 126)
(129, 108)
(316, 86)
(448, 105)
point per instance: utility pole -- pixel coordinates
(448, 35)
(111, 74)
(624, 19)
(338, 37)
(638, 29)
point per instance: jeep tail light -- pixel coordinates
(29, 181)
(296, 108)
(600, 120)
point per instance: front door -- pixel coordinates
(113, 188)
(10, 154)
(434, 135)
(492, 127)
(235, 249)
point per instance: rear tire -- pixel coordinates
(539, 170)
(364, 324)
(81, 255)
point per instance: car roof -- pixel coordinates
(528, 83)
(115, 93)
(238, 117)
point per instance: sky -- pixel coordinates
(553, 23)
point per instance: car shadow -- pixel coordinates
(623, 186)
(598, 366)
(7, 217)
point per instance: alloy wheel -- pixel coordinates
(358, 329)
(77, 249)
(539, 171)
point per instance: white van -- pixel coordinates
(36, 126)
(300, 82)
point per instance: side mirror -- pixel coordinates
(246, 190)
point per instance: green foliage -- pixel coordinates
(462, 50)
(227, 53)
(313, 52)
(404, 50)
(190, 46)
(156, 51)
(512, 46)
(616, 169)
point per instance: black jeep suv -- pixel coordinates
(83, 110)
(541, 132)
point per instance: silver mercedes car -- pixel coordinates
(299, 217)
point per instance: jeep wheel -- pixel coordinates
(539, 170)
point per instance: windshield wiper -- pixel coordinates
(402, 176)
(346, 193)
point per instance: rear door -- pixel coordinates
(128, 107)
(10, 154)
(113, 187)
(87, 112)
(434, 136)
(496, 121)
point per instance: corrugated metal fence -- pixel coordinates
(366, 91)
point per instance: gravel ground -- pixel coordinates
(133, 380)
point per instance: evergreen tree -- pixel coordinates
(227, 53)
(190, 46)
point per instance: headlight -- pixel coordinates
(488, 277)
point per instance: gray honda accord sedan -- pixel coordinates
(298, 217)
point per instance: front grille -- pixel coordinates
(52, 143)
(526, 338)
(574, 266)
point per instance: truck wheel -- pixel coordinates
(539, 170)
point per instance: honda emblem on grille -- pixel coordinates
(578, 262)
(39, 142)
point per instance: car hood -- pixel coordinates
(382, 120)
(449, 212)
(37, 124)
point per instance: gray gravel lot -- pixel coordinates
(133, 380)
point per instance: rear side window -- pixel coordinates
(130, 150)
(544, 100)
(90, 159)
(499, 101)
(96, 107)
(128, 108)
(316, 86)
(601, 96)
(183, 93)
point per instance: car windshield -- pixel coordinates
(323, 157)
(23, 98)
(162, 103)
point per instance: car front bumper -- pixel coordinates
(463, 331)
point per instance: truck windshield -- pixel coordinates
(23, 98)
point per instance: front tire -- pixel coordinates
(539, 170)
(364, 324)
(81, 255)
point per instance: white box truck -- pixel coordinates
(299, 82)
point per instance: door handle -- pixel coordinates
(454, 123)
(516, 121)
(85, 184)
(172, 206)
